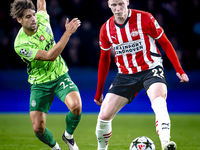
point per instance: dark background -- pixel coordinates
(179, 19)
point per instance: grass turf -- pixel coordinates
(16, 131)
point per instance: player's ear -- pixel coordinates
(19, 20)
(127, 2)
(108, 3)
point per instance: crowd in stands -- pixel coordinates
(179, 19)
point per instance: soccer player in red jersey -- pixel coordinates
(132, 35)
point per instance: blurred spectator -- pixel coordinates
(197, 58)
(72, 52)
(55, 12)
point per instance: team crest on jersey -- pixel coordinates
(42, 38)
(134, 33)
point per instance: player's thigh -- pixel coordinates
(68, 92)
(64, 86)
(111, 105)
(157, 90)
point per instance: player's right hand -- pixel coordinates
(72, 26)
(100, 101)
(183, 77)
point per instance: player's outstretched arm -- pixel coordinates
(41, 5)
(53, 53)
(171, 54)
(104, 64)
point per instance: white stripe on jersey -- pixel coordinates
(152, 45)
(139, 26)
(105, 49)
(108, 31)
(110, 39)
(128, 34)
(121, 41)
(117, 63)
(119, 36)
(108, 34)
(153, 48)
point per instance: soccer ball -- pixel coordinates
(142, 143)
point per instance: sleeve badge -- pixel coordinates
(23, 52)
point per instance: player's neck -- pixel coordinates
(29, 32)
(122, 19)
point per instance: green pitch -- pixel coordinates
(16, 131)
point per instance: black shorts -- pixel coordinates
(129, 85)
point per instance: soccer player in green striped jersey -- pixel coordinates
(48, 72)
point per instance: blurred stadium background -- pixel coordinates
(178, 18)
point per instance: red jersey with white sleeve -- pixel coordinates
(134, 45)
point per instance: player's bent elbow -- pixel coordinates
(50, 58)
(45, 56)
(53, 59)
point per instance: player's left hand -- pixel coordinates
(183, 77)
(72, 26)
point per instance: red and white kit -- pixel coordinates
(133, 42)
(134, 45)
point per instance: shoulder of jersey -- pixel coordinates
(20, 39)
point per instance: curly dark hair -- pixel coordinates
(19, 6)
